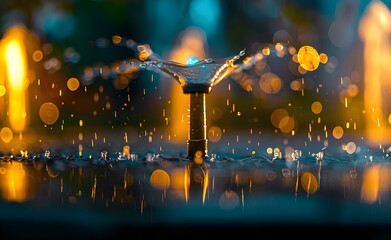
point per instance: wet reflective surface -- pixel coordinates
(115, 192)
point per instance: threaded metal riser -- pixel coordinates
(197, 140)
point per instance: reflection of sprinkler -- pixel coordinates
(196, 180)
(197, 79)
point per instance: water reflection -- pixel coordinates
(17, 185)
(160, 179)
(376, 183)
(309, 182)
(141, 187)
(228, 200)
(196, 182)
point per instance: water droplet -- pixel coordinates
(296, 154)
(103, 155)
(319, 156)
(149, 157)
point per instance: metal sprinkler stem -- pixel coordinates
(197, 140)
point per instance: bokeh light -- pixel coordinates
(160, 179)
(270, 83)
(73, 84)
(309, 182)
(6, 134)
(316, 107)
(323, 58)
(48, 112)
(287, 124)
(37, 55)
(338, 132)
(351, 147)
(214, 134)
(308, 58)
(277, 115)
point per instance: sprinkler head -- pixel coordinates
(197, 78)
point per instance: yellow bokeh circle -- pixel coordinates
(48, 112)
(73, 84)
(316, 107)
(308, 58)
(338, 132)
(6, 134)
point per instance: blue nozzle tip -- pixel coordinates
(192, 60)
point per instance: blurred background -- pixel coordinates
(70, 91)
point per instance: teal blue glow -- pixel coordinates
(205, 14)
(192, 60)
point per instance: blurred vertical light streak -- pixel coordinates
(374, 30)
(205, 185)
(376, 183)
(13, 186)
(14, 57)
(191, 43)
(370, 186)
(3, 108)
(186, 182)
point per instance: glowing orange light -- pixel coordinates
(2, 90)
(48, 112)
(316, 107)
(13, 184)
(351, 148)
(308, 58)
(116, 39)
(214, 134)
(192, 43)
(248, 58)
(287, 124)
(6, 134)
(266, 51)
(186, 182)
(14, 55)
(73, 84)
(323, 58)
(374, 30)
(269, 150)
(338, 132)
(279, 47)
(277, 116)
(205, 186)
(309, 182)
(160, 179)
(370, 186)
(270, 83)
(37, 55)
